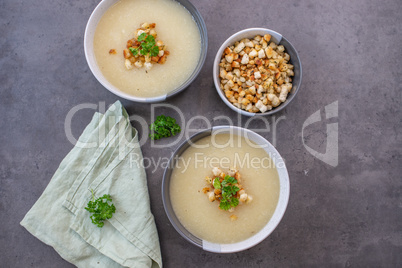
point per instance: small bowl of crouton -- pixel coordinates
(257, 71)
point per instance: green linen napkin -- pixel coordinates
(106, 159)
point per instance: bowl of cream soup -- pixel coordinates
(179, 26)
(205, 222)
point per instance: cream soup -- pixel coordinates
(175, 27)
(203, 218)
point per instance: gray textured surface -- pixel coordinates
(349, 215)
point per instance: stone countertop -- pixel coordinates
(340, 213)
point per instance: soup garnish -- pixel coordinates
(226, 189)
(144, 50)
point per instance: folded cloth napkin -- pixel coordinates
(106, 160)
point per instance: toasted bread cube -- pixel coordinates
(155, 59)
(128, 64)
(216, 171)
(260, 105)
(274, 100)
(253, 53)
(127, 54)
(153, 33)
(159, 43)
(284, 93)
(239, 47)
(267, 37)
(245, 101)
(243, 198)
(227, 51)
(245, 59)
(222, 73)
(145, 25)
(211, 196)
(229, 57)
(148, 66)
(280, 48)
(261, 54)
(138, 64)
(139, 32)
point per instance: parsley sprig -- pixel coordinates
(100, 209)
(164, 126)
(229, 191)
(147, 46)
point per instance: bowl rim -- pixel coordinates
(90, 29)
(256, 238)
(233, 38)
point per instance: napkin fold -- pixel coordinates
(107, 160)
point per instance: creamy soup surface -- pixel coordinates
(203, 218)
(175, 27)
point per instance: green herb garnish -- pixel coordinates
(217, 183)
(101, 209)
(229, 191)
(133, 51)
(164, 126)
(141, 37)
(147, 46)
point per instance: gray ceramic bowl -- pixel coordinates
(284, 189)
(278, 39)
(97, 14)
